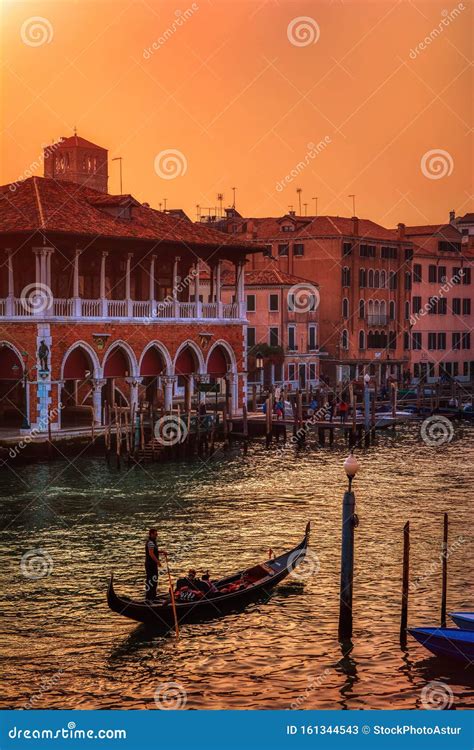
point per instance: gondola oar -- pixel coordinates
(173, 603)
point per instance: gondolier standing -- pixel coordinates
(152, 562)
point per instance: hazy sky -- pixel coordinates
(239, 90)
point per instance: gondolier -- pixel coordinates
(152, 562)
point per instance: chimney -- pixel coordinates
(292, 213)
(452, 217)
(355, 226)
(401, 231)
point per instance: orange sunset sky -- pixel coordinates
(232, 92)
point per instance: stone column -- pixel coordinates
(11, 286)
(169, 385)
(75, 286)
(219, 288)
(175, 287)
(60, 386)
(240, 289)
(128, 295)
(103, 293)
(152, 286)
(198, 306)
(232, 381)
(37, 253)
(134, 383)
(97, 385)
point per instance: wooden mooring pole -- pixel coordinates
(349, 522)
(405, 583)
(444, 580)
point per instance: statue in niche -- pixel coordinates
(43, 354)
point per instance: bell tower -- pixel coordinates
(76, 160)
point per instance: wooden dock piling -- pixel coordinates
(444, 576)
(405, 583)
(347, 566)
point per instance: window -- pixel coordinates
(361, 309)
(367, 251)
(408, 253)
(416, 370)
(376, 280)
(466, 277)
(312, 371)
(393, 280)
(392, 340)
(407, 311)
(383, 280)
(362, 278)
(312, 338)
(292, 338)
(345, 339)
(466, 341)
(407, 281)
(273, 303)
(456, 341)
(432, 274)
(346, 276)
(389, 253)
(345, 308)
(441, 340)
(417, 273)
(466, 306)
(291, 372)
(283, 248)
(273, 336)
(442, 306)
(250, 302)
(416, 305)
(346, 248)
(456, 306)
(432, 305)
(298, 249)
(442, 274)
(267, 250)
(250, 337)
(445, 246)
(456, 275)
(391, 310)
(416, 341)
(406, 340)
(432, 341)
(361, 339)
(370, 277)
(455, 369)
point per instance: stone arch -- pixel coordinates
(120, 370)
(96, 370)
(80, 366)
(198, 358)
(120, 346)
(153, 367)
(163, 352)
(228, 353)
(221, 361)
(13, 396)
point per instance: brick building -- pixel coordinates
(442, 306)
(100, 298)
(363, 273)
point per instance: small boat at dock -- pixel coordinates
(229, 596)
(464, 620)
(448, 643)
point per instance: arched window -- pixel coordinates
(345, 308)
(376, 279)
(345, 339)
(346, 276)
(383, 311)
(392, 310)
(361, 339)
(362, 278)
(370, 282)
(407, 311)
(383, 279)
(361, 309)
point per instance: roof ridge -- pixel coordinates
(38, 203)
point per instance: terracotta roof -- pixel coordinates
(75, 140)
(58, 206)
(442, 230)
(266, 277)
(317, 226)
(466, 219)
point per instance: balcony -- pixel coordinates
(16, 309)
(377, 319)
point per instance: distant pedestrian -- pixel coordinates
(343, 409)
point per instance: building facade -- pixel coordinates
(100, 303)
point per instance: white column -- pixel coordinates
(75, 286)
(11, 285)
(175, 287)
(169, 385)
(241, 289)
(134, 383)
(152, 286)
(49, 253)
(103, 294)
(128, 295)
(97, 386)
(37, 266)
(218, 288)
(198, 306)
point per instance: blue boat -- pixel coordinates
(464, 620)
(449, 643)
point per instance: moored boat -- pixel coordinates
(449, 643)
(260, 580)
(464, 620)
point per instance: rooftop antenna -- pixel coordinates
(353, 203)
(198, 212)
(220, 198)
(119, 158)
(75, 130)
(233, 201)
(305, 206)
(299, 191)
(164, 203)
(159, 206)
(290, 208)
(315, 205)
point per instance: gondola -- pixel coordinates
(260, 580)
(448, 643)
(464, 620)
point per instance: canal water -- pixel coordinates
(74, 521)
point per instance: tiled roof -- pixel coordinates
(319, 226)
(49, 205)
(466, 219)
(443, 230)
(75, 140)
(266, 277)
